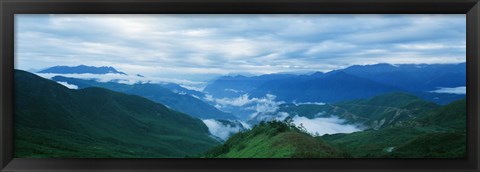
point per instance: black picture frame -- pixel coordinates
(8, 8)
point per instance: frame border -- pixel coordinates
(9, 8)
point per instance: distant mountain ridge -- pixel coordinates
(179, 89)
(234, 86)
(357, 81)
(159, 93)
(413, 77)
(81, 69)
(329, 87)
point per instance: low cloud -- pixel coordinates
(256, 105)
(309, 103)
(194, 87)
(262, 104)
(265, 105)
(195, 97)
(221, 130)
(454, 90)
(323, 126)
(239, 101)
(70, 86)
(319, 125)
(232, 90)
(280, 116)
(209, 97)
(124, 79)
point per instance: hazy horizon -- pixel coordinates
(201, 47)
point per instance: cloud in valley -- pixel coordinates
(263, 104)
(306, 103)
(221, 130)
(70, 86)
(128, 79)
(319, 125)
(455, 90)
(323, 126)
(253, 105)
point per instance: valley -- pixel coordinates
(347, 113)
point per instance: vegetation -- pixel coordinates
(439, 133)
(53, 121)
(273, 139)
(430, 132)
(386, 109)
(377, 112)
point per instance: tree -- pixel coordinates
(302, 128)
(289, 121)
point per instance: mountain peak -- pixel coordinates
(372, 66)
(317, 74)
(81, 69)
(273, 139)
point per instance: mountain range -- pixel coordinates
(395, 107)
(234, 86)
(81, 69)
(330, 87)
(171, 95)
(54, 121)
(413, 77)
(350, 83)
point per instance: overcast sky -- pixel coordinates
(192, 46)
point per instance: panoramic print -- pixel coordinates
(240, 86)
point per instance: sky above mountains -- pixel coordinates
(198, 47)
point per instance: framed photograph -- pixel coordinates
(228, 85)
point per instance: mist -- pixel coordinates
(70, 86)
(321, 126)
(221, 130)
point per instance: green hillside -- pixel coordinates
(54, 121)
(273, 139)
(377, 112)
(433, 145)
(424, 131)
(439, 133)
(451, 116)
(386, 109)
